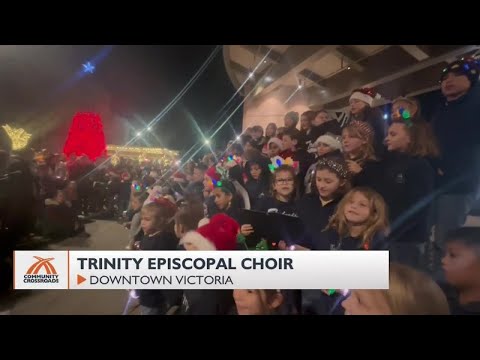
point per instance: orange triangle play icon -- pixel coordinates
(80, 279)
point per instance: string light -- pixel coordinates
(163, 157)
(19, 137)
(149, 151)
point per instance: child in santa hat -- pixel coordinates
(219, 234)
(361, 102)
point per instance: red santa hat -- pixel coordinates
(219, 234)
(367, 95)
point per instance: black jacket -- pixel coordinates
(207, 302)
(455, 307)
(233, 211)
(371, 176)
(332, 127)
(315, 217)
(256, 190)
(159, 298)
(330, 240)
(269, 204)
(457, 128)
(408, 191)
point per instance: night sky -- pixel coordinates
(131, 84)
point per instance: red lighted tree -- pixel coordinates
(86, 136)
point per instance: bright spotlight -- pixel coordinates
(149, 128)
(385, 116)
(139, 134)
(238, 138)
(207, 142)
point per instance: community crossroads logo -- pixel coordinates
(34, 274)
(41, 270)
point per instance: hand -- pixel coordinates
(246, 230)
(353, 167)
(282, 245)
(440, 172)
(136, 245)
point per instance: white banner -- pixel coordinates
(201, 270)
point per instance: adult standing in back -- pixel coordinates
(457, 128)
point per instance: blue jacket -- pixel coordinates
(457, 128)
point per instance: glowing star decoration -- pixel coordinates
(19, 137)
(88, 68)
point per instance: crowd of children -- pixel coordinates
(371, 185)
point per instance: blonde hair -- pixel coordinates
(377, 221)
(366, 151)
(412, 292)
(423, 142)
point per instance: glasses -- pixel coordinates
(284, 181)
